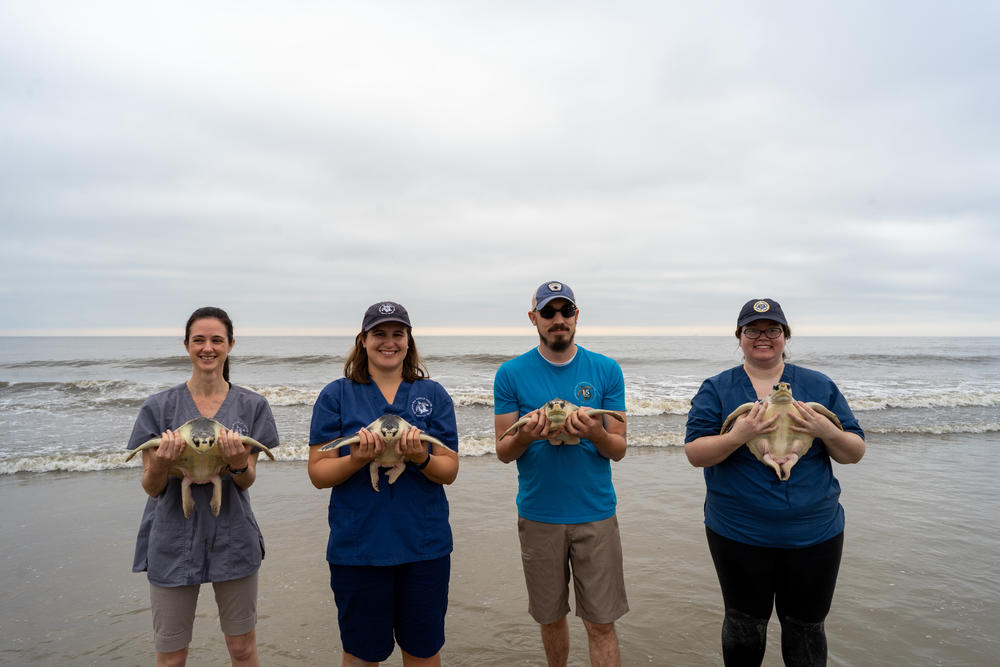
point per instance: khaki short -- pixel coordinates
(174, 607)
(594, 550)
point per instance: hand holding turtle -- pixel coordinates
(232, 450)
(754, 423)
(809, 421)
(369, 447)
(579, 423)
(168, 453)
(410, 446)
(536, 428)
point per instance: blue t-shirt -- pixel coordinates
(403, 522)
(566, 483)
(745, 500)
(174, 551)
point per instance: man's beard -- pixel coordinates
(560, 345)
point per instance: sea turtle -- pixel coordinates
(784, 443)
(390, 428)
(200, 461)
(557, 411)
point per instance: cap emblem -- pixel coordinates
(555, 287)
(762, 306)
(387, 309)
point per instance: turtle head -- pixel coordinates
(557, 410)
(781, 393)
(389, 428)
(202, 435)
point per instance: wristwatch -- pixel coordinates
(426, 461)
(237, 471)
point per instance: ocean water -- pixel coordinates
(919, 582)
(69, 403)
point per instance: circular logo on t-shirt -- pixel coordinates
(240, 427)
(584, 392)
(421, 407)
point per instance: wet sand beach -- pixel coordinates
(918, 583)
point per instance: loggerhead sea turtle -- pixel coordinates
(389, 428)
(784, 442)
(557, 411)
(200, 460)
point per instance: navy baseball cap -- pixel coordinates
(760, 309)
(552, 290)
(382, 312)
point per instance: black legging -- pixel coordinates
(798, 583)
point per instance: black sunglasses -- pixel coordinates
(548, 312)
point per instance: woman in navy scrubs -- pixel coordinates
(389, 550)
(775, 544)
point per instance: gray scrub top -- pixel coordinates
(174, 551)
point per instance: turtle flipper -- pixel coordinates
(610, 413)
(822, 409)
(187, 500)
(513, 427)
(396, 470)
(216, 502)
(340, 442)
(149, 444)
(253, 443)
(431, 439)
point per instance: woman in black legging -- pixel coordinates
(776, 543)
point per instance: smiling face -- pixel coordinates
(557, 332)
(208, 345)
(762, 351)
(386, 346)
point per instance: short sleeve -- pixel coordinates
(504, 396)
(147, 426)
(442, 424)
(326, 419)
(614, 393)
(705, 415)
(264, 429)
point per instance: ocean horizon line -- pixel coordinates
(504, 332)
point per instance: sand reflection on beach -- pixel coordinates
(918, 583)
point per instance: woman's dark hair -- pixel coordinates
(218, 314)
(784, 327)
(356, 366)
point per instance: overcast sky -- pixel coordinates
(294, 162)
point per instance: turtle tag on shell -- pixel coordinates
(784, 442)
(389, 428)
(200, 461)
(557, 411)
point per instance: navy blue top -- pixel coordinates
(403, 522)
(174, 551)
(745, 500)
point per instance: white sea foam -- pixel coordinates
(951, 399)
(939, 429)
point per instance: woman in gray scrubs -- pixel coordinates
(179, 554)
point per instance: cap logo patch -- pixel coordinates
(762, 306)
(555, 287)
(387, 309)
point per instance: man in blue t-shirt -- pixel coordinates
(565, 499)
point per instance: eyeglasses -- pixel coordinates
(548, 312)
(770, 332)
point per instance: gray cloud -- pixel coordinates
(297, 163)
